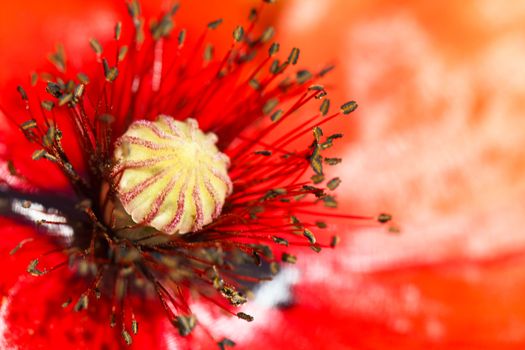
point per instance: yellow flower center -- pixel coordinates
(170, 175)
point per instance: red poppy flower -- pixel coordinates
(168, 180)
(403, 65)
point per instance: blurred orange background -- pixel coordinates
(436, 141)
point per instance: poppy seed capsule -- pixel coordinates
(170, 175)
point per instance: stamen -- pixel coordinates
(143, 180)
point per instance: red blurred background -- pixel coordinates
(436, 141)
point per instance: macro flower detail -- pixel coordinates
(172, 176)
(191, 176)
